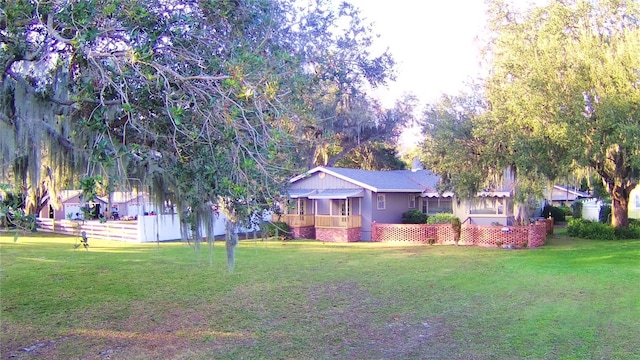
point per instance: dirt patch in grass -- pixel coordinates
(358, 326)
(331, 321)
(160, 332)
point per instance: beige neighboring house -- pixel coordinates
(492, 206)
(127, 204)
(634, 203)
(130, 203)
(72, 205)
(564, 196)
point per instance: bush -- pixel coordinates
(414, 217)
(441, 218)
(576, 209)
(590, 230)
(280, 229)
(605, 214)
(632, 232)
(566, 210)
(556, 213)
(594, 230)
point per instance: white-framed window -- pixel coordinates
(380, 202)
(437, 205)
(412, 201)
(345, 207)
(637, 201)
(488, 205)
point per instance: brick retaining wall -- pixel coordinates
(304, 232)
(338, 235)
(475, 235)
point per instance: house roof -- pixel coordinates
(494, 194)
(435, 194)
(298, 193)
(565, 193)
(66, 195)
(382, 181)
(118, 197)
(337, 194)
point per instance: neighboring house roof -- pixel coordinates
(119, 197)
(561, 193)
(66, 195)
(381, 181)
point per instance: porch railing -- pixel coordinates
(296, 220)
(341, 222)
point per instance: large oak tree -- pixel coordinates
(563, 93)
(565, 82)
(203, 101)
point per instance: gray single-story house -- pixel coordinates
(340, 204)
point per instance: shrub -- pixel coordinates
(441, 218)
(590, 230)
(280, 229)
(605, 214)
(631, 232)
(566, 210)
(556, 213)
(576, 209)
(414, 217)
(444, 218)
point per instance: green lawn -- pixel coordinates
(571, 299)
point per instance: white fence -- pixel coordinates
(111, 230)
(591, 209)
(144, 229)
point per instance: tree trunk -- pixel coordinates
(231, 240)
(620, 206)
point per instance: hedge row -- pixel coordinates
(594, 230)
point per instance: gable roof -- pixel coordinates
(381, 181)
(565, 193)
(118, 197)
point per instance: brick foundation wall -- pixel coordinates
(530, 236)
(305, 232)
(338, 235)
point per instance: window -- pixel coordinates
(302, 204)
(412, 201)
(380, 201)
(345, 207)
(637, 201)
(488, 206)
(437, 205)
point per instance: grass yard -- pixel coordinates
(571, 299)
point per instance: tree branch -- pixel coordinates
(19, 79)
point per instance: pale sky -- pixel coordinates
(433, 42)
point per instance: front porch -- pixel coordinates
(320, 221)
(333, 228)
(327, 215)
